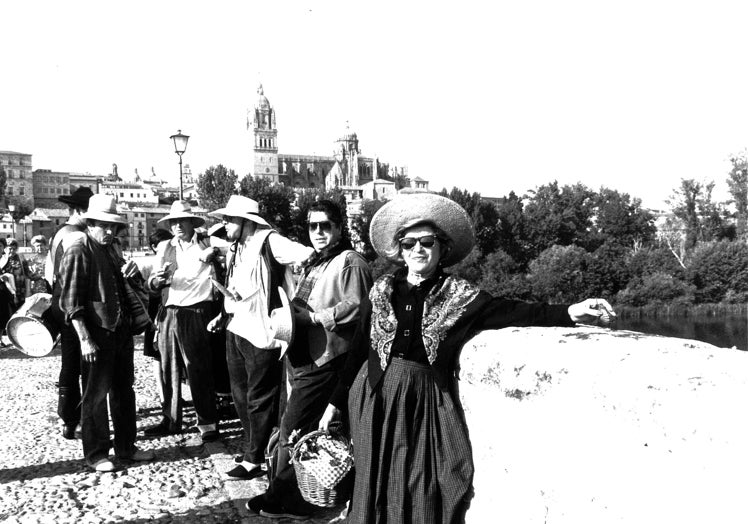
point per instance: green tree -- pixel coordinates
(621, 219)
(484, 215)
(607, 271)
(215, 186)
(469, 268)
(274, 201)
(684, 204)
(737, 184)
(654, 259)
(401, 181)
(557, 275)
(703, 219)
(558, 216)
(360, 228)
(502, 276)
(656, 288)
(717, 268)
(511, 229)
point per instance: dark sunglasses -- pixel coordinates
(409, 243)
(323, 226)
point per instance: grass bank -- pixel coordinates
(681, 310)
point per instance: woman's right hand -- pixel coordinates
(331, 415)
(216, 324)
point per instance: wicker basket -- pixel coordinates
(323, 462)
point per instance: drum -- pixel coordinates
(31, 329)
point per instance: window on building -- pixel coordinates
(9, 190)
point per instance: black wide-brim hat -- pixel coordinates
(409, 209)
(78, 198)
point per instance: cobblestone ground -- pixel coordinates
(43, 477)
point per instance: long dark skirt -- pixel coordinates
(412, 453)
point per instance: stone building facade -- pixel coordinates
(19, 186)
(347, 168)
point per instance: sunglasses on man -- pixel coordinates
(325, 226)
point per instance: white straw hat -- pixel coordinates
(282, 322)
(182, 209)
(243, 207)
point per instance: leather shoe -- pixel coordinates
(161, 429)
(239, 472)
(255, 504)
(210, 435)
(68, 432)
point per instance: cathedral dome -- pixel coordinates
(262, 101)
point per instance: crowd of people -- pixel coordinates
(298, 335)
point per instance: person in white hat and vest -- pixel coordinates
(257, 272)
(94, 300)
(185, 269)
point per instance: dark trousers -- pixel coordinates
(311, 387)
(220, 370)
(112, 375)
(69, 382)
(184, 343)
(255, 376)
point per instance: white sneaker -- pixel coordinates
(104, 466)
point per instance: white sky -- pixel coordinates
(487, 96)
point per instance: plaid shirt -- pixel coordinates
(91, 284)
(307, 282)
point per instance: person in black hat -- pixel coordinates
(69, 399)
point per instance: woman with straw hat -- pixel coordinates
(411, 447)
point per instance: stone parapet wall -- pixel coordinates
(591, 425)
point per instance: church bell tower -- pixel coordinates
(265, 134)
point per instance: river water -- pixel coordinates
(722, 331)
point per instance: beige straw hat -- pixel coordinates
(104, 208)
(409, 209)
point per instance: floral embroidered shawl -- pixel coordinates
(443, 307)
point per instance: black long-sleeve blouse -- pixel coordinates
(430, 323)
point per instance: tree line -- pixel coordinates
(563, 243)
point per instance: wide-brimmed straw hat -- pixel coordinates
(282, 322)
(409, 209)
(103, 208)
(182, 209)
(78, 198)
(243, 207)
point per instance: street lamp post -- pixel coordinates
(180, 145)
(12, 208)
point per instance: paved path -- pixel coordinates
(43, 477)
